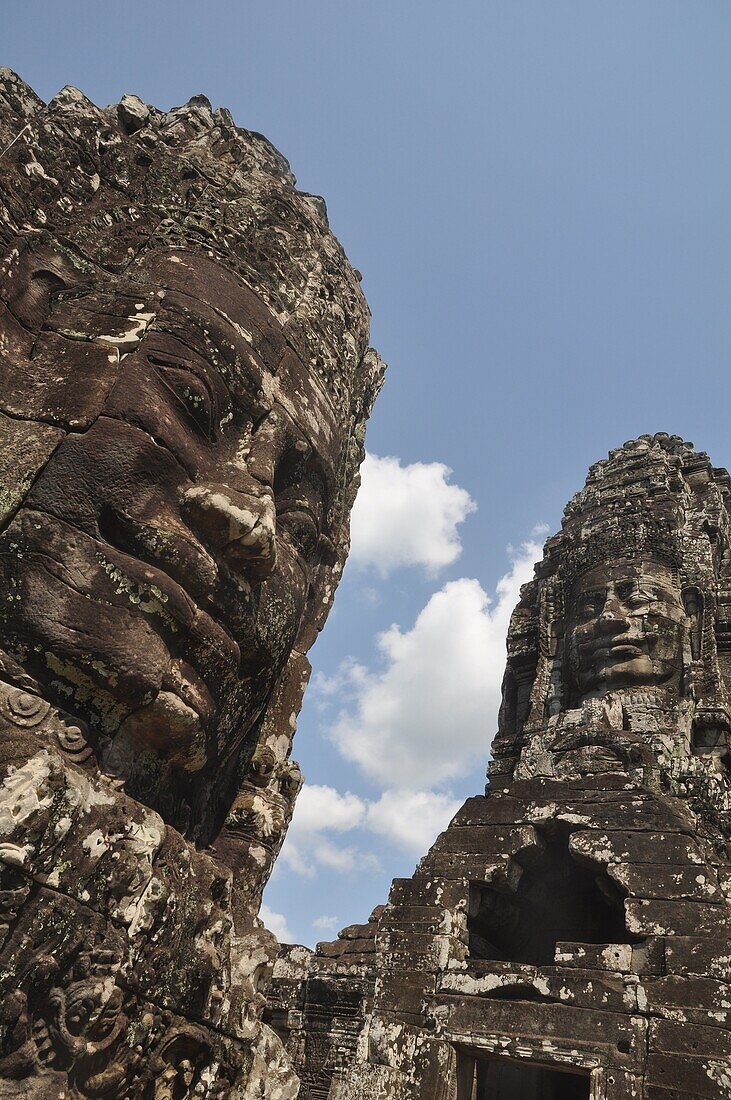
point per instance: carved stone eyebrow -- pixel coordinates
(593, 594)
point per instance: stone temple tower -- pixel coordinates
(569, 935)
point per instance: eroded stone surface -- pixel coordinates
(184, 383)
(578, 916)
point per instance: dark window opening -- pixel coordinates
(712, 741)
(499, 1079)
(556, 899)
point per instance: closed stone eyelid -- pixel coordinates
(162, 363)
(211, 410)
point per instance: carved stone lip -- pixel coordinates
(202, 633)
(620, 649)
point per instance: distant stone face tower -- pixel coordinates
(569, 935)
(184, 383)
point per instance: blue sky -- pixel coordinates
(537, 194)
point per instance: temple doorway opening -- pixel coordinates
(500, 1078)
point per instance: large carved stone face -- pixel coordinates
(158, 572)
(625, 627)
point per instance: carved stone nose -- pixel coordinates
(612, 614)
(240, 527)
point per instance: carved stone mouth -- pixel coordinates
(619, 741)
(620, 649)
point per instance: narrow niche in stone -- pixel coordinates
(501, 1079)
(712, 741)
(556, 900)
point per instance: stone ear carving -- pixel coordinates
(693, 603)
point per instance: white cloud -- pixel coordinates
(320, 807)
(334, 856)
(328, 923)
(319, 810)
(409, 819)
(430, 712)
(413, 819)
(407, 515)
(276, 923)
(424, 717)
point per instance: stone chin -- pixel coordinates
(620, 669)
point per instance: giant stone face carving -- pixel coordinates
(199, 393)
(185, 379)
(625, 627)
(156, 575)
(618, 652)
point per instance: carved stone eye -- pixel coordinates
(591, 604)
(191, 393)
(195, 397)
